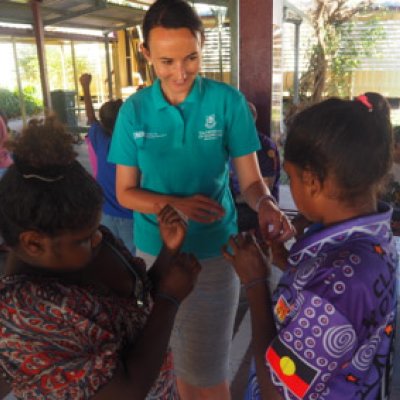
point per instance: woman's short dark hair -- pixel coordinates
(46, 189)
(349, 140)
(172, 14)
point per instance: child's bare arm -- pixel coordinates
(253, 269)
(85, 80)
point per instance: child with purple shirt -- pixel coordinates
(328, 331)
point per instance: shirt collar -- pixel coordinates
(376, 226)
(193, 96)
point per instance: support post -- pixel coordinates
(40, 45)
(20, 88)
(255, 61)
(108, 63)
(76, 80)
(296, 98)
(234, 25)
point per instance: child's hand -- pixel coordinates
(279, 254)
(249, 262)
(172, 228)
(180, 277)
(85, 80)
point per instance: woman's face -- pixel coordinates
(72, 250)
(176, 57)
(300, 190)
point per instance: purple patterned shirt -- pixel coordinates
(335, 310)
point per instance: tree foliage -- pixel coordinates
(337, 52)
(10, 103)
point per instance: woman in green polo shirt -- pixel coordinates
(172, 143)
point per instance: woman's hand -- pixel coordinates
(179, 280)
(199, 208)
(173, 228)
(247, 258)
(274, 224)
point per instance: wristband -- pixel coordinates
(265, 197)
(171, 299)
(255, 282)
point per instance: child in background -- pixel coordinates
(392, 188)
(328, 332)
(270, 167)
(5, 161)
(115, 217)
(5, 157)
(79, 316)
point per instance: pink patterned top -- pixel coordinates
(64, 341)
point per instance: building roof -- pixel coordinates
(102, 15)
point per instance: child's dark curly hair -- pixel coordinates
(46, 189)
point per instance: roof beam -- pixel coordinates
(98, 5)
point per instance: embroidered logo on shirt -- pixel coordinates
(210, 135)
(282, 309)
(210, 121)
(294, 372)
(148, 135)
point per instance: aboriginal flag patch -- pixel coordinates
(295, 373)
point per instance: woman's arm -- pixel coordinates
(134, 378)
(198, 208)
(173, 230)
(253, 269)
(5, 388)
(263, 332)
(143, 360)
(273, 223)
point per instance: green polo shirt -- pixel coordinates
(184, 150)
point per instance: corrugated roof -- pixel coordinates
(103, 15)
(88, 14)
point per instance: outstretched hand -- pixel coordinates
(199, 208)
(247, 258)
(181, 276)
(173, 228)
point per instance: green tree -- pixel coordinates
(337, 52)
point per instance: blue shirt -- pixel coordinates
(106, 172)
(184, 150)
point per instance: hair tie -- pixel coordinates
(43, 178)
(364, 100)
